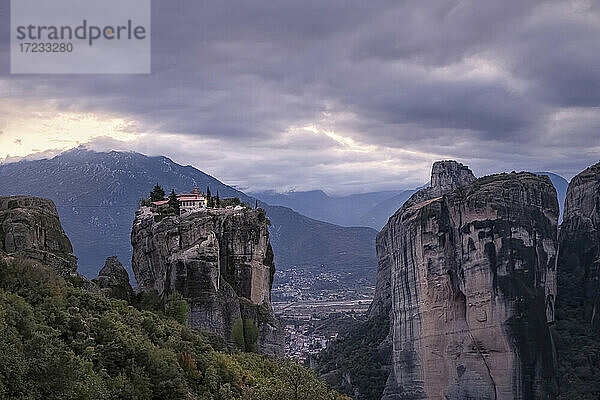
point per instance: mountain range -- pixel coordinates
(97, 193)
(366, 209)
(561, 185)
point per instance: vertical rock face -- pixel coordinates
(472, 285)
(445, 177)
(579, 255)
(113, 280)
(222, 262)
(30, 228)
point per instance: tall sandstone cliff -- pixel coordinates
(445, 177)
(30, 228)
(221, 261)
(577, 329)
(468, 270)
(579, 255)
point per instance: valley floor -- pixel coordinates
(318, 307)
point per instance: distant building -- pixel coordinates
(194, 200)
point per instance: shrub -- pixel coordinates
(177, 307)
(234, 201)
(145, 202)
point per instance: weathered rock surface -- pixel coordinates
(222, 262)
(446, 176)
(30, 228)
(471, 288)
(579, 254)
(113, 280)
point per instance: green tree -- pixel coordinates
(250, 335)
(233, 201)
(353, 356)
(218, 201)
(237, 334)
(149, 300)
(157, 194)
(209, 199)
(177, 307)
(60, 341)
(245, 334)
(174, 203)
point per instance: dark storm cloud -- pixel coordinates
(503, 83)
(487, 107)
(561, 58)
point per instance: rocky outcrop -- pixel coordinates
(579, 254)
(30, 228)
(113, 280)
(471, 288)
(446, 176)
(221, 261)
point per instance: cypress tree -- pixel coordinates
(174, 202)
(157, 194)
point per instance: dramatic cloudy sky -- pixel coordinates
(348, 96)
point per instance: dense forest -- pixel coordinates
(61, 339)
(358, 364)
(576, 332)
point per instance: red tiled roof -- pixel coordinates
(195, 195)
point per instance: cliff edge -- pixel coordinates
(30, 228)
(446, 176)
(471, 288)
(579, 255)
(221, 261)
(578, 305)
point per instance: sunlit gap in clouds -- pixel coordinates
(27, 133)
(344, 160)
(374, 156)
